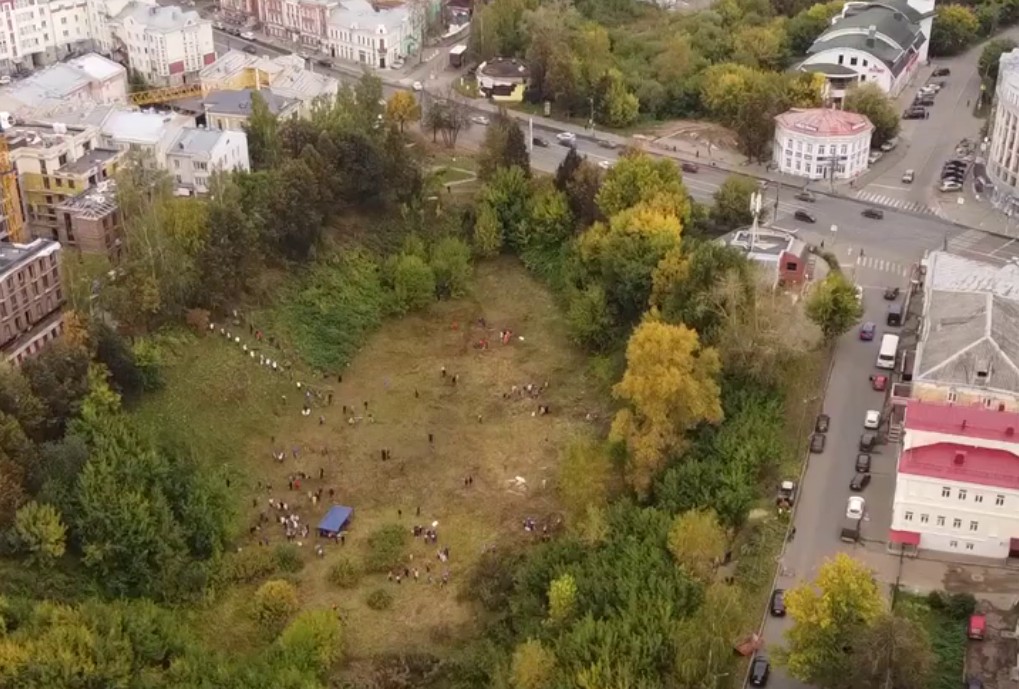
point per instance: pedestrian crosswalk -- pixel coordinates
(892, 202)
(966, 240)
(882, 265)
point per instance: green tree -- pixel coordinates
(504, 147)
(637, 178)
(704, 640)
(669, 387)
(732, 202)
(550, 223)
(41, 532)
(274, 603)
(870, 100)
(487, 231)
(804, 28)
(589, 318)
(533, 666)
(619, 107)
(262, 129)
(698, 543)
(451, 263)
(508, 193)
(562, 599)
(58, 378)
(296, 211)
(313, 641)
(829, 615)
(413, 283)
(990, 57)
(763, 47)
(894, 651)
(834, 306)
(401, 108)
(955, 28)
(585, 470)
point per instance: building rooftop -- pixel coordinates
(11, 255)
(504, 68)
(287, 75)
(92, 159)
(885, 21)
(239, 102)
(140, 127)
(94, 203)
(96, 66)
(970, 335)
(901, 6)
(361, 14)
(828, 69)
(159, 18)
(824, 122)
(766, 245)
(962, 422)
(965, 463)
(47, 90)
(193, 140)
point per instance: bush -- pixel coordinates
(379, 599)
(248, 565)
(288, 558)
(385, 548)
(345, 573)
(275, 602)
(956, 605)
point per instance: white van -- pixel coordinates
(889, 348)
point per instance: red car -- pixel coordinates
(867, 331)
(879, 383)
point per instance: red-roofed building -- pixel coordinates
(957, 482)
(818, 142)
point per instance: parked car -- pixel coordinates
(855, 507)
(879, 383)
(874, 157)
(760, 668)
(873, 213)
(822, 423)
(890, 144)
(867, 331)
(606, 164)
(250, 49)
(540, 142)
(862, 462)
(908, 176)
(924, 100)
(248, 36)
(868, 441)
(950, 185)
(860, 481)
(566, 138)
(324, 62)
(915, 113)
(480, 120)
(872, 419)
(941, 72)
(692, 168)
(805, 196)
(804, 216)
(786, 496)
(778, 603)
(418, 86)
(817, 443)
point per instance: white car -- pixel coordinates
(248, 36)
(854, 508)
(605, 164)
(566, 137)
(872, 420)
(480, 119)
(950, 186)
(418, 86)
(859, 294)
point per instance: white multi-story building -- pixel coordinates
(1003, 159)
(957, 482)
(167, 45)
(198, 153)
(819, 143)
(78, 84)
(33, 34)
(363, 32)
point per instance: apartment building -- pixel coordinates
(285, 75)
(34, 34)
(230, 110)
(300, 21)
(166, 45)
(370, 33)
(77, 84)
(31, 298)
(198, 153)
(90, 222)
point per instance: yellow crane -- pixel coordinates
(13, 216)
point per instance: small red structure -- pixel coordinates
(977, 627)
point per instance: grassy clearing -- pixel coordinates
(231, 405)
(947, 635)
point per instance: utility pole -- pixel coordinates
(530, 135)
(755, 210)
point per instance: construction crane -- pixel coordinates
(165, 95)
(11, 196)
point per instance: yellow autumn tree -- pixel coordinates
(697, 542)
(402, 108)
(670, 386)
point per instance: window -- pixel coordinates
(953, 396)
(924, 518)
(978, 498)
(962, 493)
(908, 516)
(841, 58)
(956, 523)
(946, 491)
(852, 62)
(999, 500)
(969, 546)
(953, 544)
(864, 63)
(790, 265)
(973, 526)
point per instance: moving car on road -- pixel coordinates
(692, 168)
(879, 383)
(539, 142)
(908, 176)
(855, 507)
(860, 481)
(566, 138)
(867, 331)
(873, 213)
(805, 196)
(777, 606)
(891, 293)
(804, 216)
(605, 143)
(872, 419)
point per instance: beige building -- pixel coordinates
(230, 110)
(31, 298)
(90, 222)
(286, 76)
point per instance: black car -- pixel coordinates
(605, 143)
(860, 481)
(778, 603)
(868, 441)
(915, 113)
(539, 142)
(863, 462)
(891, 293)
(759, 671)
(873, 213)
(251, 49)
(803, 215)
(941, 72)
(924, 101)
(817, 442)
(690, 167)
(822, 423)
(324, 62)
(806, 196)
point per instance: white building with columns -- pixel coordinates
(1003, 152)
(817, 143)
(957, 481)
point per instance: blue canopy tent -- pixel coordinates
(335, 521)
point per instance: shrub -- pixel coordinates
(956, 605)
(379, 599)
(385, 548)
(345, 573)
(248, 565)
(288, 558)
(275, 602)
